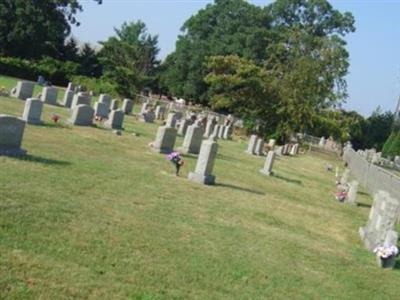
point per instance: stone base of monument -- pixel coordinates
(387, 263)
(266, 173)
(13, 152)
(204, 179)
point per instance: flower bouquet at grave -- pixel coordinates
(55, 118)
(342, 192)
(386, 255)
(176, 159)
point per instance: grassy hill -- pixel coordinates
(91, 215)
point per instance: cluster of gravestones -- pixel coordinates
(200, 136)
(257, 146)
(82, 114)
(346, 191)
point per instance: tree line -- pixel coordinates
(281, 68)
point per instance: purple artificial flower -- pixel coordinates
(173, 155)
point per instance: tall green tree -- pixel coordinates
(33, 29)
(130, 58)
(305, 62)
(226, 27)
(89, 63)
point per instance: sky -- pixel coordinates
(374, 72)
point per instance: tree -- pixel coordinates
(130, 58)
(227, 27)
(304, 66)
(33, 29)
(89, 64)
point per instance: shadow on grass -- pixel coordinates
(54, 125)
(295, 181)
(231, 186)
(42, 160)
(363, 205)
(363, 193)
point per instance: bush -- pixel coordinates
(394, 146)
(388, 144)
(97, 85)
(53, 70)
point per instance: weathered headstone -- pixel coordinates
(23, 90)
(165, 139)
(171, 120)
(143, 109)
(127, 106)
(279, 150)
(221, 131)
(11, 134)
(106, 99)
(160, 112)
(115, 119)
(259, 149)
(49, 95)
(71, 87)
(228, 132)
(205, 163)
(114, 104)
(269, 163)
(271, 143)
(183, 126)
(68, 97)
(210, 126)
(352, 194)
(80, 99)
(101, 109)
(82, 115)
(148, 117)
(252, 144)
(33, 111)
(294, 149)
(345, 177)
(382, 219)
(322, 142)
(217, 129)
(193, 139)
(285, 149)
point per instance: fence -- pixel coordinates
(370, 176)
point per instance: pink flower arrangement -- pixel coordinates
(55, 118)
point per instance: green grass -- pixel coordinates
(90, 215)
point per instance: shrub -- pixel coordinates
(53, 70)
(97, 85)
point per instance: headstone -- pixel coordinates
(160, 112)
(382, 219)
(259, 149)
(80, 99)
(143, 109)
(345, 177)
(285, 150)
(322, 142)
(68, 97)
(252, 144)
(33, 111)
(165, 139)
(391, 238)
(82, 115)
(221, 131)
(228, 132)
(71, 87)
(294, 149)
(205, 163)
(23, 90)
(184, 124)
(269, 163)
(127, 106)
(148, 117)
(49, 95)
(114, 104)
(279, 151)
(217, 129)
(193, 139)
(101, 109)
(106, 99)
(210, 127)
(352, 194)
(115, 119)
(171, 120)
(11, 134)
(271, 143)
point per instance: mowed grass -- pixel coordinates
(91, 215)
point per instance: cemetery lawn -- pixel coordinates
(90, 215)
